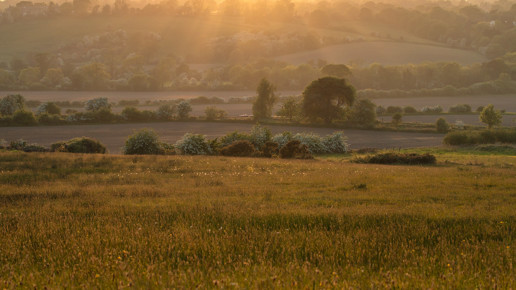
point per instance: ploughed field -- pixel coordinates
(97, 221)
(113, 136)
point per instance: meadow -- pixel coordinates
(97, 221)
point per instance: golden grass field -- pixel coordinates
(94, 221)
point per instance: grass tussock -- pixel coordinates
(99, 221)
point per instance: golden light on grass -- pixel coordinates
(180, 221)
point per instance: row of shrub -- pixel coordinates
(480, 137)
(258, 142)
(457, 109)
(75, 145)
(397, 158)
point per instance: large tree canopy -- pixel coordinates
(324, 97)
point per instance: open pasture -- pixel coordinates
(92, 221)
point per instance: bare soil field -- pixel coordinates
(114, 136)
(387, 53)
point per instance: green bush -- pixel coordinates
(48, 119)
(398, 158)
(461, 108)
(193, 144)
(409, 110)
(240, 148)
(294, 149)
(143, 142)
(459, 138)
(24, 118)
(213, 113)
(442, 126)
(229, 138)
(22, 145)
(79, 145)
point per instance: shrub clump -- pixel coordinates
(22, 145)
(193, 144)
(442, 126)
(270, 149)
(295, 149)
(398, 158)
(336, 143)
(79, 145)
(480, 137)
(145, 141)
(25, 118)
(461, 108)
(240, 148)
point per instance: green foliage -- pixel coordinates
(135, 115)
(145, 141)
(490, 116)
(397, 158)
(290, 108)
(324, 97)
(47, 119)
(262, 106)
(259, 136)
(97, 104)
(79, 145)
(24, 118)
(461, 108)
(294, 149)
(229, 138)
(193, 144)
(49, 108)
(336, 143)
(363, 113)
(409, 110)
(432, 110)
(240, 148)
(103, 115)
(213, 113)
(11, 103)
(166, 112)
(183, 110)
(442, 126)
(397, 118)
(336, 70)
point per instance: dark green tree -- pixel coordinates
(324, 97)
(490, 116)
(336, 70)
(289, 109)
(262, 107)
(363, 113)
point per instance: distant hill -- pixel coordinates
(388, 53)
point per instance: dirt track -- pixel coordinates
(114, 136)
